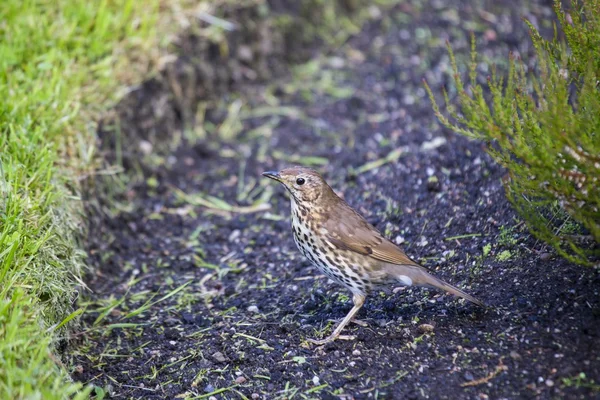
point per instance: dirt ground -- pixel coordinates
(200, 292)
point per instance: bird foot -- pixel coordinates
(360, 322)
(331, 339)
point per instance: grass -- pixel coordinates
(27, 369)
(62, 64)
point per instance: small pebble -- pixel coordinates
(425, 328)
(469, 376)
(245, 53)
(209, 388)
(188, 161)
(218, 356)
(356, 353)
(240, 379)
(408, 100)
(337, 62)
(234, 235)
(490, 35)
(316, 380)
(375, 12)
(514, 355)
(145, 147)
(549, 382)
(255, 396)
(253, 309)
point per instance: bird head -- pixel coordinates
(305, 185)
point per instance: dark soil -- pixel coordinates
(239, 327)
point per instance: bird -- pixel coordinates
(345, 247)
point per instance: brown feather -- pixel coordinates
(344, 246)
(345, 229)
(420, 277)
(348, 230)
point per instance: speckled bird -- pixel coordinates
(345, 247)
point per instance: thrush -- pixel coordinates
(345, 247)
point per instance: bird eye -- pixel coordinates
(300, 181)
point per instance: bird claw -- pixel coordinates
(331, 339)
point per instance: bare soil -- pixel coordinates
(238, 328)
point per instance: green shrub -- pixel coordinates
(544, 129)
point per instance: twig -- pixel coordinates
(499, 368)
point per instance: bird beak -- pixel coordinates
(273, 175)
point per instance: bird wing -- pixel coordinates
(348, 230)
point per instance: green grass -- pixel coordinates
(62, 63)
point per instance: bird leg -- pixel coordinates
(358, 300)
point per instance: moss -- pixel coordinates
(505, 255)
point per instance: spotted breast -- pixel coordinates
(338, 265)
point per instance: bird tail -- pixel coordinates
(416, 275)
(440, 284)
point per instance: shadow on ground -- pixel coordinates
(199, 290)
